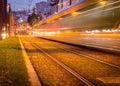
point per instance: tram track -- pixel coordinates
(80, 51)
(89, 57)
(75, 74)
(89, 54)
(76, 71)
(88, 83)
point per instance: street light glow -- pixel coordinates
(75, 13)
(103, 2)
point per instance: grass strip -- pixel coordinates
(13, 70)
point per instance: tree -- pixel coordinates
(33, 18)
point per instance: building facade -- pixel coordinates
(59, 5)
(44, 8)
(53, 6)
(3, 16)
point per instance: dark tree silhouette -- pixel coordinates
(33, 18)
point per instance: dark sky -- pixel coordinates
(23, 4)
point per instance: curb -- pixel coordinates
(33, 78)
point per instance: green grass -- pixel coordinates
(13, 71)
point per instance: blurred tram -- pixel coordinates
(88, 15)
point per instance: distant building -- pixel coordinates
(42, 7)
(11, 21)
(59, 5)
(66, 3)
(53, 6)
(21, 15)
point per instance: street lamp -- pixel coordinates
(103, 2)
(75, 13)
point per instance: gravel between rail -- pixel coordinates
(92, 70)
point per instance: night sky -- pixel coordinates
(23, 4)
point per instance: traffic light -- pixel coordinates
(15, 26)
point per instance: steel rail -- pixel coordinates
(90, 57)
(85, 81)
